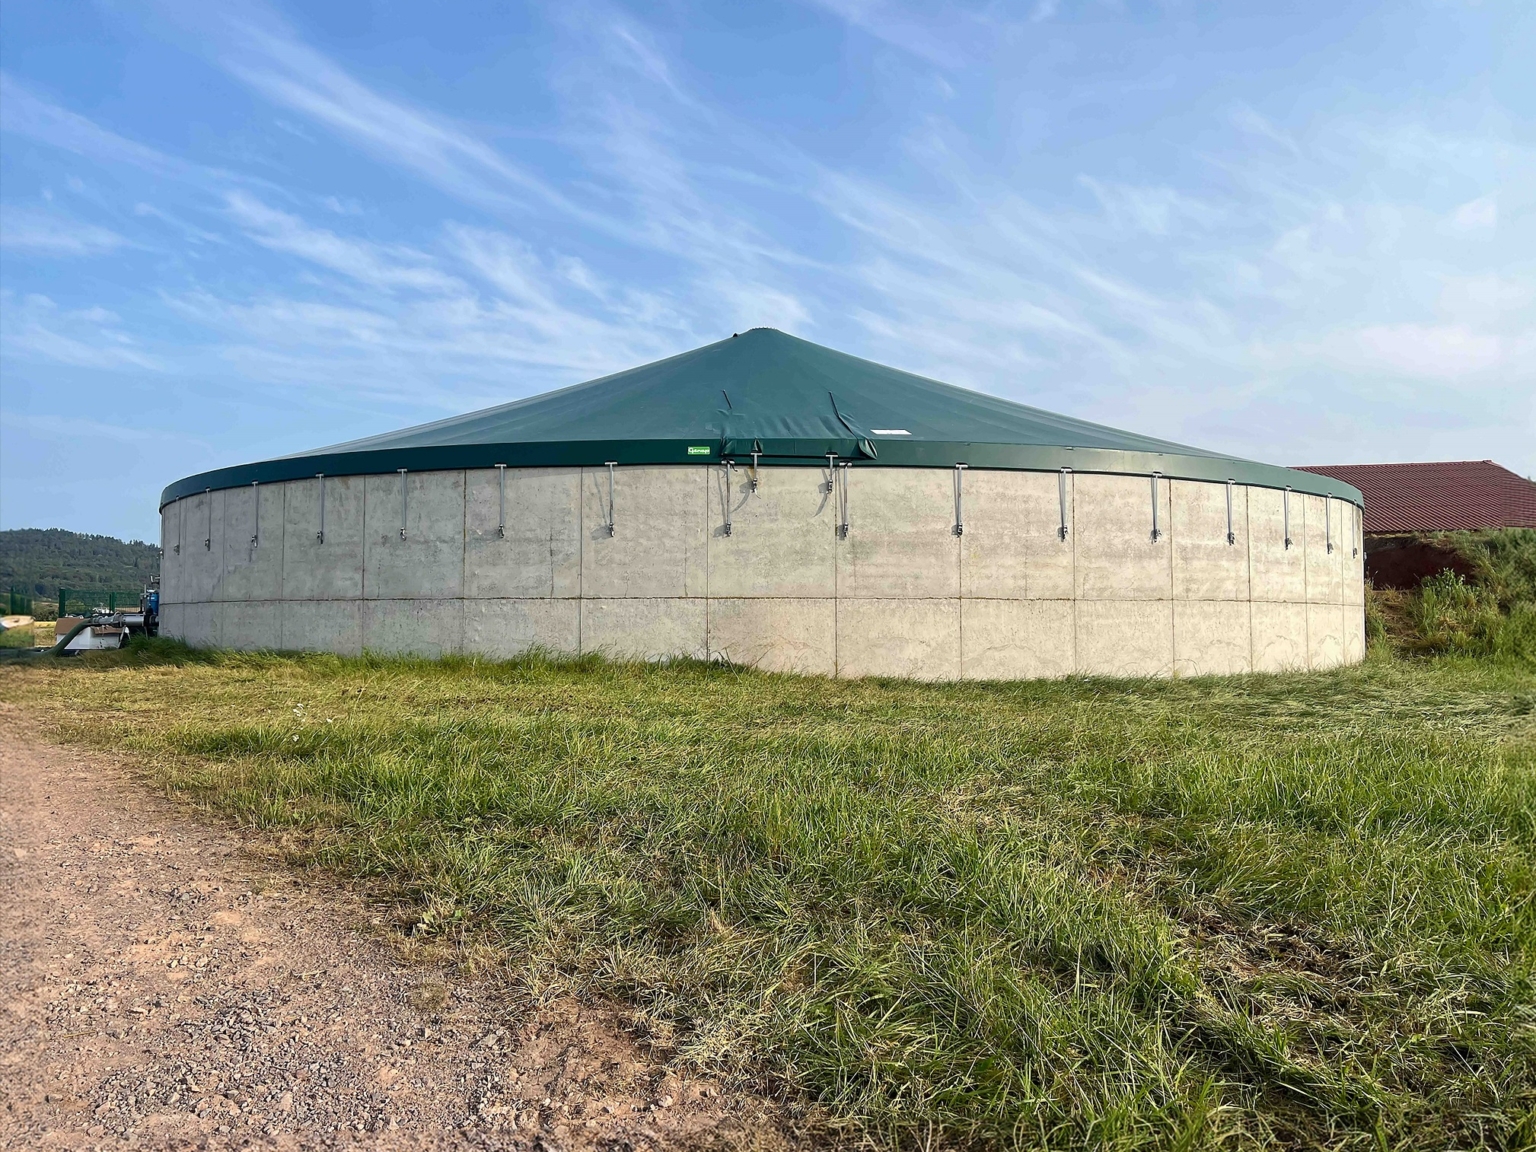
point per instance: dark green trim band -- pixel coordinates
(890, 452)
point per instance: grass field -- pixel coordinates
(1288, 910)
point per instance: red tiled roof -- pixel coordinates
(1449, 496)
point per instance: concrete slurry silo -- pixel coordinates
(773, 502)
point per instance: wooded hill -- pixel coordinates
(36, 561)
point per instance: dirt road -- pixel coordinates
(165, 987)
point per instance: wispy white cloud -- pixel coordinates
(38, 329)
(27, 230)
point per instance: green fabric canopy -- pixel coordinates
(762, 391)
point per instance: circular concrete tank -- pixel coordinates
(806, 511)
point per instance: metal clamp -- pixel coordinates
(611, 465)
(320, 535)
(842, 524)
(1328, 521)
(1061, 494)
(755, 456)
(1157, 531)
(960, 499)
(1285, 499)
(402, 501)
(256, 516)
(1231, 535)
(501, 505)
(208, 543)
(727, 466)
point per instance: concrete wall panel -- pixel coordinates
(173, 619)
(1012, 547)
(501, 629)
(1211, 637)
(333, 568)
(1205, 566)
(202, 548)
(413, 627)
(1277, 574)
(1325, 635)
(429, 561)
(901, 540)
(323, 626)
(253, 545)
(660, 540)
(170, 557)
(540, 555)
(919, 639)
(783, 541)
(1354, 633)
(1016, 639)
(638, 628)
(200, 624)
(251, 624)
(776, 635)
(1116, 557)
(1279, 637)
(1125, 637)
(1325, 569)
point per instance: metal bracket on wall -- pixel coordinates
(1285, 503)
(256, 513)
(727, 467)
(1355, 537)
(1061, 495)
(208, 543)
(1157, 531)
(1328, 521)
(501, 501)
(320, 535)
(755, 476)
(181, 523)
(1231, 535)
(842, 503)
(611, 465)
(960, 498)
(402, 502)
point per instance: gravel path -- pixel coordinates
(163, 986)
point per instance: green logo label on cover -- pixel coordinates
(698, 451)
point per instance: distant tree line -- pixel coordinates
(36, 561)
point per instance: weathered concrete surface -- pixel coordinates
(918, 639)
(1012, 548)
(424, 627)
(509, 627)
(783, 541)
(251, 624)
(333, 568)
(1115, 555)
(658, 547)
(1205, 565)
(902, 596)
(323, 626)
(1017, 639)
(776, 635)
(540, 555)
(1278, 573)
(1211, 637)
(1279, 636)
(901, 540)
(647, 628)
(1125, 637)
(253, 545)
(428, 562)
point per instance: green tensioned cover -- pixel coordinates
(763, 391)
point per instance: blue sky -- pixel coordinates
(1300, 232)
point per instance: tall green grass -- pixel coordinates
(1273, 910)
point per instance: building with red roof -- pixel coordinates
(1404, 500)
